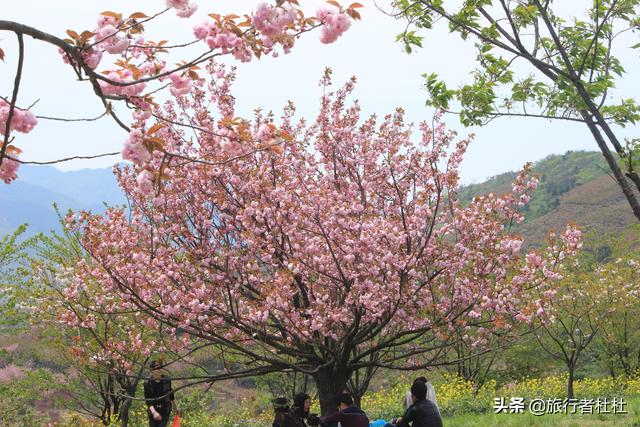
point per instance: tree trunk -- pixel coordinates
(357, 400)
(612, 370)
(128, 392)
(125, 405)
(358, 384)
(330, 382)
(619, 176)
(124, 412)
(570, 382)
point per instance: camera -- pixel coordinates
(313, 420)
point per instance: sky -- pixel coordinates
(387, 78)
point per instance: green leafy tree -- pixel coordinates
(13, 250)
(105, 388)
(472, 363)
(531, 62)
(575, 326)
(619, 338)
(105, 349)
(19, 396)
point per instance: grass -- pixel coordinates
(631, 419)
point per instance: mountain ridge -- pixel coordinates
(30, 198)
(574, 188)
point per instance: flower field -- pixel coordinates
(460, 402)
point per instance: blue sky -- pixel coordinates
(387, 78)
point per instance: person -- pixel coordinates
(301, 407)
(431, 394)
(348, 415)
(422, 412)
(283, 417)
(158, 396)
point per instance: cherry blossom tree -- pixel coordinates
(140, 67)
(579, 310)
(619, 336)
(323, 247)
(104, 350)
(101, 347)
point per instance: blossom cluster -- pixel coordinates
(180, 84)
(335, 24)
(223, 38)
(270, 20)
(109, 37)
(184, 8)
(22, 121)
(121, 76)
(134, 149)
(9, 170)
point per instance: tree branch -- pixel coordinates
(14, 98)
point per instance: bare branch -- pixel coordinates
(14, 98)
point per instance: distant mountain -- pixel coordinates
(574, 187)
(30, 198)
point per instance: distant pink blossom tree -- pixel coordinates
(323, 247)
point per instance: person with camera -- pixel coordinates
(301, 407)
(283, 417)
(348, 415)
(158, 396)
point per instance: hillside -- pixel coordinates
(574, 187)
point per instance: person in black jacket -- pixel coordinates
(423, 412)
(348, 415)
(158, 396)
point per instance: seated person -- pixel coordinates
(282, 416)
(348, 415)
(423, 412)
(301, 407)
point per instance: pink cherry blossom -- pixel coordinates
(184, 9)
(201, 31)
(145, 182)
(123, 76)
(187, 11)
(335, 24)
(22, 121)
(270, 20)
(8, 170)
(134, 149)
(265, 132)
(180, 85)
(111, 40)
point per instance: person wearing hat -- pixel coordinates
(301, 407)
(282, 416)
(158, 396)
